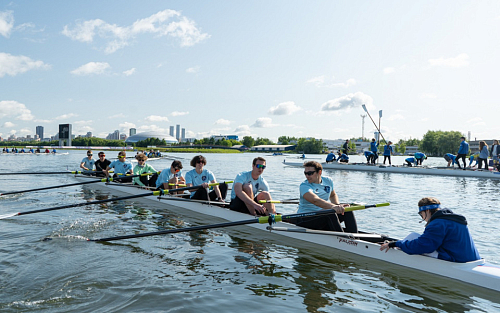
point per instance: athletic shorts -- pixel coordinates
(239, 206)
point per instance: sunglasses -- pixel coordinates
(200, 161)
(262, 166)
(89, 154)
(120, 156)
(102, 155)
(309, 173)
(141, 160)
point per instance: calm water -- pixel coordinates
(230, 269)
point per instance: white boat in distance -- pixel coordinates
(479, 273)
(417, 170)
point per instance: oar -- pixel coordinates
(74, 184)
(261, 220)
(49, 173)
(154, 193)
(366, 110)
(280, 201)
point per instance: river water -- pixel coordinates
(46, 265)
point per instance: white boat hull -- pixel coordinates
(417, 170)
(477, 273)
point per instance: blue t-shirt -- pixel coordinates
(322, 190)
(388, 150)
(452, 157)
(344, 157)
(330, 157)
(192, 177)
(373, 146)
(411, 160)
(368, 154)
(419, 155)
(88, 163)
(165, 176)
(259, 184)
(121, 167)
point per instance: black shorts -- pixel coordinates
(447, 158)
(239, 206)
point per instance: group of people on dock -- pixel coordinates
(479, 158)
(446, 234)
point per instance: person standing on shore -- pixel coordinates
(388, 151)
(462, 152)
(483, 155)
(249, 188)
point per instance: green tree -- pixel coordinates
(285, 140)
(248, 141)
(310, 146)
(438, 143)
(263, 141)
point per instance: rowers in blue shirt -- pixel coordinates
(330, 157)
(450, 158)
(419, 156)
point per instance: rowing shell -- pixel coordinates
(361, 167)
(479, 273)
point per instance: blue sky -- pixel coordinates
(259, 68)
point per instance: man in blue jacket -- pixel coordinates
(462, 152)
(445, 232)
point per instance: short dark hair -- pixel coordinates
(258, 159)
(462, 137)
(176, 164)
(317, 166)
(429, 201)
(196, 159)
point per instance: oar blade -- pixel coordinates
(2, 217)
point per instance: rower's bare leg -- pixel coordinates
(247, 188)
(264, 195)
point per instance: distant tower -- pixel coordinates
(183, 134)
(65, 134)
(363, 126)
(171, 131)
(178, 132)
(133, 131)
(39, 131)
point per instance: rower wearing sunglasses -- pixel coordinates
(200, 176)
(87, 163)
(317, 193)
(101, 164)
(249, 188)
(122, 167)
(172, 177)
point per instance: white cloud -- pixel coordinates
(460, 60)
(152, 127)
(125, 127)
(285, 108)
(6, 23)
(129, 72)
(119, 115)
(16, 110)
(222, 121)
(13, 65)
(65, 116)
(91, 68)
(389, 70)
(242, 130)
(164, 23)
(193, 70)
(352, 100)
(477, 121)
(24, 131)
(177, 113)
(318, 81)
(8, 125)
(264, 122)
(156, 118)
(323, 81)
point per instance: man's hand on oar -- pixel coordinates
(262, 220)
(154, 193)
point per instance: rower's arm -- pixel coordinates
(317, 201)
(334, 198)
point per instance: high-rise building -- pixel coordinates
(133, 131)
(178, 132)
(89, 135)
(171, 131)
(183, 135)
(39, 131)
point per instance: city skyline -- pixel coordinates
(294, 69)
